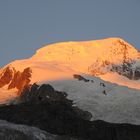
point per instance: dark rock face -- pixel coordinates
(112, 131)
(15, 79)
(44, 93)
(81, 78)
(6, 77)
(127, 71)
(47, 94)
(21, 79)
(56, 116)
(126, 68)
(59, 118)
(137, 74)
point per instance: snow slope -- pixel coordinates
(119, 104)
(114, 77)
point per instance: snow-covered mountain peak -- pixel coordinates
(95, 57)
(104, 49)
(112, 56)
(82, 55)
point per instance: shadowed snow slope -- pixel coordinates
(109, 102)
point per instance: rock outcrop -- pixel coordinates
(58, 117)
(15, 79)
(6, 76)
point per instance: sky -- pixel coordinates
(27, 25)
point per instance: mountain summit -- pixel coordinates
(89, 56)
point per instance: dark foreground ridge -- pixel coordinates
(50, 110)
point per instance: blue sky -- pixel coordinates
(26, 25)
